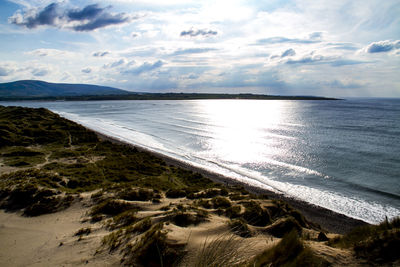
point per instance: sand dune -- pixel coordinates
(49, 240)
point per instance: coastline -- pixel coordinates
(329, 220)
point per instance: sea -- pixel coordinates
(342, 155)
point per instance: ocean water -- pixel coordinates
(342, 155)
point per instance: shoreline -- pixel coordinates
(329, 220)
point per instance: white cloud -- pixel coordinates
(383, 46)
(86, 70)
(291, 47)
(5, 71)
(56, 14)
(52, 53)
(114, 64)
(39, 72)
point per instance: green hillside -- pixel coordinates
(41, 89)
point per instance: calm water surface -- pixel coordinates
(341, 155)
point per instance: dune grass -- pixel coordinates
(153, 249)
(226, 249)
(239, 227)
(377, 243)
(290, 251)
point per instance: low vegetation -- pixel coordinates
(376, 243)
(152, 249)
(112, 207)
(188, 217)
(83, 231)
(283, 226)
(290, 251)
(239, 227)
(223, 250)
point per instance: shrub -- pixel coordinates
(45, 192)
(204, 203)
(33, 200)
(192, 195)
(298, 217)
(233, 211)
(125, 234)
(255, 215)
(153, 249)
(156, 200)
(97, 218)
(224, 192)
(184, 219)
(48, 205)
(83, 231)
(220, 202)
(98, 196)
(175, 193)
(377, 243)
(213, 192)
(165, 208)
(240, 189)
(209, 193)
(140, 227)
(21, 197)
(22, 156)
(124, 219)
(137, 194)
(236, 196)
(113, 240)
(239, 227)
(284, 226)
(22, 152)
(112, 207)
(381, 248)
(274, 210)
(290, 251)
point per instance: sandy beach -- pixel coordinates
(49, 240)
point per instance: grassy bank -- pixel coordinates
(152, 213)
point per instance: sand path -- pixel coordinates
(49, 240)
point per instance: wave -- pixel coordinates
(296, 168)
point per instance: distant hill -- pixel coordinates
(39, 90)
(28, 89)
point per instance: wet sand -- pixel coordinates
(329, 220)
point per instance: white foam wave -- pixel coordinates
(295, 168)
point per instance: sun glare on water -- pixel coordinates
(240, 128)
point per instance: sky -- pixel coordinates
(341, 48)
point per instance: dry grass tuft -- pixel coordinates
(226, 249)
(290, 251)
